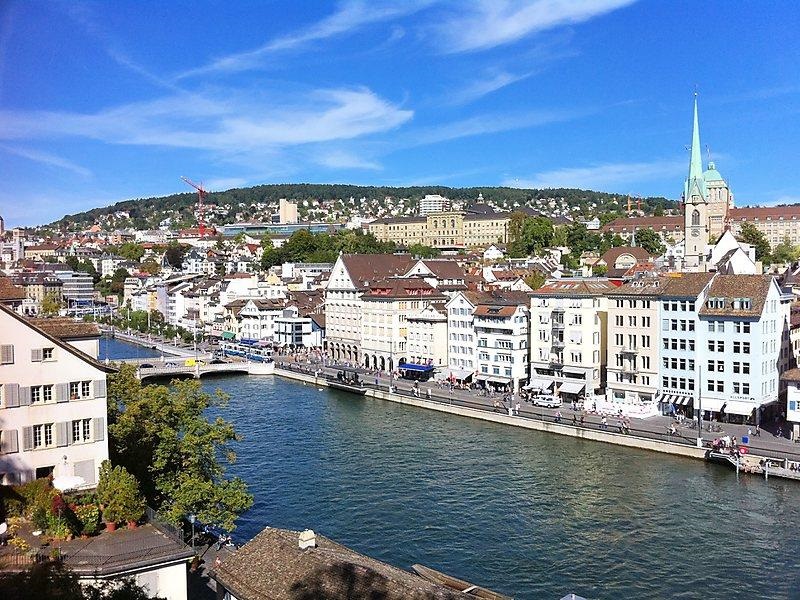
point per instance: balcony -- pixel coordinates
(629, 368)
(558, 310)
(557, 343)
(556, 362)
(630, 350)
(558, 325)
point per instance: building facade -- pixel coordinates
(53, 409)
(445, 230)
(502, 327)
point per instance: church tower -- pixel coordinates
(695, 205)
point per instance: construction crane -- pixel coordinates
(201, 225)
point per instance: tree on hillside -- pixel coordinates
(650, 241)
(749, 234)
(164, 437)
(131, 251)
(150, 266)
(535, 280)
(422, 251)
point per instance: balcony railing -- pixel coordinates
(629, 350)
(558, 325)
(556, 363)
(558, 343)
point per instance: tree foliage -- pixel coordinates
(785, 252)
(174, 254)
(750, 234)
(528, 235)
(130, 250)
(422, 251)
(51, 304)
(304, 246)
(650, 241)
(162, 435)
(535, 280)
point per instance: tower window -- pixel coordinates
(695, 217)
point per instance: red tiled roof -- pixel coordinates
(752, 213)
(10, 292)
(730, 287)
(366, 268)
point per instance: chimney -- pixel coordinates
(308, 539)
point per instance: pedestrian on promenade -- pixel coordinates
(376, 381)
(581, 420)
(574, 420)
(758, 431)
(429, 393)
(603, 423)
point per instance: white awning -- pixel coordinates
(539, 384)
(494, 378)
(571, 387)
(68, 482)
(458, 373)
(738, 407)
(712, 404)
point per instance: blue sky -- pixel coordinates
(105, 101)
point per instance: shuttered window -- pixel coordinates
(27, 438)
(7, 354)
(62, 433)
(62, 392)
(24, 396)
(11, 395)
(8, 441)
(99, 429)
(100, 388)
(36, 355)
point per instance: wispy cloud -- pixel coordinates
(48, 159)
(350, 16)
(490, 123)
(491, 23)
(225, 183)
(487, 85)
(601, 177)
(236, 124)
(343, 159)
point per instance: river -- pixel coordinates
(523, 512)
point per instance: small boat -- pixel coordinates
(347, 381)
(458, 585)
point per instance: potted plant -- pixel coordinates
(89, 517)
(118, 491)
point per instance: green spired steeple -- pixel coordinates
(695, 178)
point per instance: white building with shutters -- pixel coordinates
(52, 399)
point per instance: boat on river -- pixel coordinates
(454, 583)
(347, 381)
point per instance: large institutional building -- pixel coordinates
(708, 211)
(453, 230)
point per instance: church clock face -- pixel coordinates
(695, 232)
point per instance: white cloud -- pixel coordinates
(350, 16)
(486, 85)
(238, 124)
(224, 183)
(492, 23)
(46, 158)
(490, 123)
(601, 177)
(342, 159)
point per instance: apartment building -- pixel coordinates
(632, 380)
(742, 324)
(461, 343)
(350, 278)
(433, 203)
(681, 342)
(294, 330)
(253, 320)
(53, 409)
(501, 320)
(385, 310)
(568, 337)
(427, 335)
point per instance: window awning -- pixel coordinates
(228, 335)
(539, 384)
(571, 387)
(415, 367)
(494, 378)
(739, 407)
(459, 373)
(712, 404)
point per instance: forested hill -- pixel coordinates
(333, 202)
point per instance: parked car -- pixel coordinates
(145, 366)
(547, 401)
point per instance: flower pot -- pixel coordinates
(132, 524)
(110, 526)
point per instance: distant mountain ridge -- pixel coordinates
(333, 201)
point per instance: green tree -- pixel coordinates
(422, 251)
(535, 280)
(650, 241)
(150, 266)
(131, 251)
(750, 234)
(72, 262)
(785, 252)
(118, 280)
(599, 270)
(51, 304)
(164, 437)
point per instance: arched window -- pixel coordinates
(695, 217)
(452, 222)
(435, 224)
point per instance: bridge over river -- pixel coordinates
(149, 368)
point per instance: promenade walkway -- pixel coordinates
(656, 428)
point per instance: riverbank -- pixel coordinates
(148, 342)
(526, 419)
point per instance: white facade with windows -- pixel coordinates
(501, 331)
(53, 404)
(461, 343)
(427, 336)
(568, 337)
